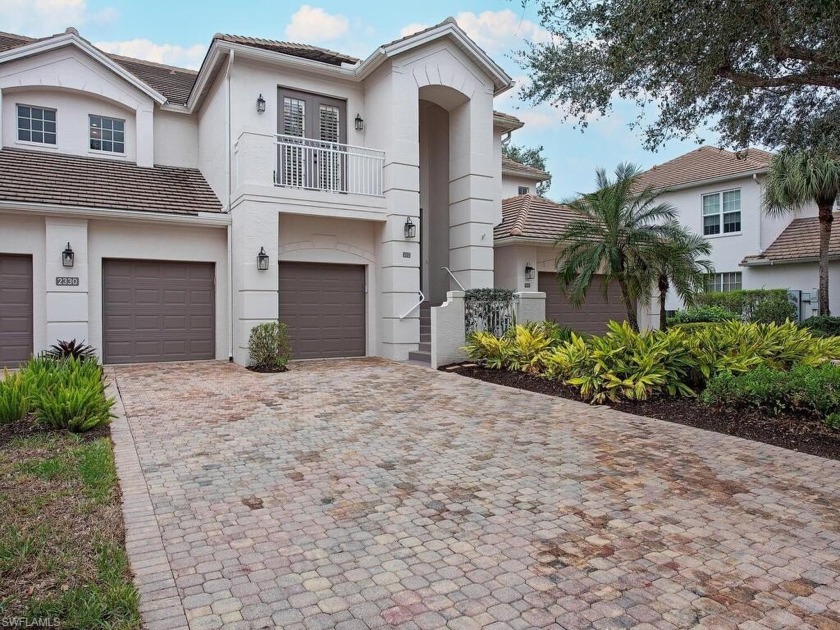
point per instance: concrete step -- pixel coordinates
(425, 346)
(425, 337)
(420, 356)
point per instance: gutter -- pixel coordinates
(203, 219)
(767, 262)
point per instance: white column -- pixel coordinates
(145, 134)
(67, 287)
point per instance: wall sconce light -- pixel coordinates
(67, 256)
(260, 104)
(262, 260)
(360, 122)
(410, 228)
(529, 271)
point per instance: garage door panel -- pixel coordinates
(15, 309)
(324, 308)
(592, 316)
(160, 311)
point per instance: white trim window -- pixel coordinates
(722, 213)
(36, 124)
(107, 134)
(728, 281)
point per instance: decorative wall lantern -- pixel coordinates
(410, 228)
(360, 122)
(67, 256)
(529, 271)
(260, 104)
(262, 260)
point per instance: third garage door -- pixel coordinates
(156, 310)
(593, 314)
(324, 308)
(15, 310)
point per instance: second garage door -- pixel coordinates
(15, 310)
(324, 308)
(593, 314)
(157, 311)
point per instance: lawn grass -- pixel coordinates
(62, 554)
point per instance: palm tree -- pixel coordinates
(796, 178)
(676, 261)
(619, 227)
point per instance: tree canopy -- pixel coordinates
(756, 71)
(532, 157)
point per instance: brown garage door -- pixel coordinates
(324, 308)
(593, 314)
(15, 309)
(157, 311)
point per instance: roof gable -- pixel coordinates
(534, 218)
(34, 47)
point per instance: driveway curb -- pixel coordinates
(160, 603)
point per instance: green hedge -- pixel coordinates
(702, 314)
(823, 326)
(812, 389)
(753, 305)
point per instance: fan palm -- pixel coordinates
(676, 262)
(796, 178)
(619, 227)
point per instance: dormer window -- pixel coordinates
(35, 124)
(107, 134)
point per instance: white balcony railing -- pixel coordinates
(328, 166)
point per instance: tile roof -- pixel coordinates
(315, 53)
(800, 241)
(174, 83)
(512, 167)
(529, 216)
(33, 176)
(507, 121)
(10, 40)
(703, 164)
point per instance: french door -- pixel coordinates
(312, 134)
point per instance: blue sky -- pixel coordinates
(178, 32)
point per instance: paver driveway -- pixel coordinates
(365, 493)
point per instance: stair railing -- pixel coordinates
(411, 310)
(447, 270)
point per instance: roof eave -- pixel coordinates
(772, 262)
(713, 180)
(523, 240)
(71, 39)
(531, 176)
(208, 219)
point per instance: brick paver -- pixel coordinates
(371, 494)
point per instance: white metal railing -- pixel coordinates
(447, 270)
(411, 310)
(328, 166)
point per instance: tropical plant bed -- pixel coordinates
(263, 369)
(792, 431)
(62, 545)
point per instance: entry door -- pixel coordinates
(318, 160)
(15, 310)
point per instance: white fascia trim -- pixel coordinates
(204, 219)
(523, 240)
(70, 39)
(714, 180)
(768, 262)
(530, 176)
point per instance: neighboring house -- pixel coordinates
(280, 180)
(718, 194)
(520, 179)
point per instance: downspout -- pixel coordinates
(228, 143)
(760, 215)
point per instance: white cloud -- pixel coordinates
(500, 31)
(38, 18)
(410, 29)
(171, 54)
(313, 24)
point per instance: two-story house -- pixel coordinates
(160, 213)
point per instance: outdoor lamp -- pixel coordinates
(410, 228)
(67, 256)
(260, 104)
(262, 260)
(360, 123)
(529, 271)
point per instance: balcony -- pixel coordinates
(328, 166)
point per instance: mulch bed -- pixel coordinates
(794, 432)
(266, 370)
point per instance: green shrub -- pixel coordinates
(805, 388)
(66, 393)
(14, 398)
(702, 314)
(823, 326)
(268, 346)
(523, 347)
(752, 305)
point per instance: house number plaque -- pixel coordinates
(66, 281)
